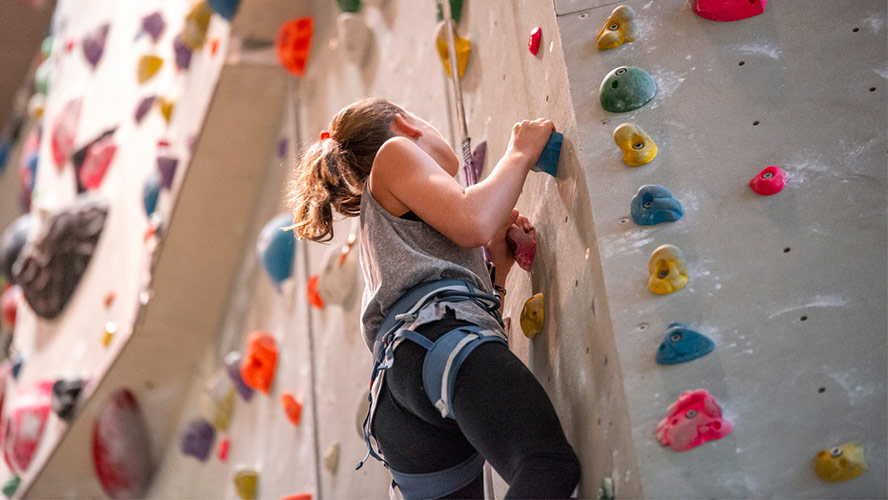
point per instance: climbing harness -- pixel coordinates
(440, 368)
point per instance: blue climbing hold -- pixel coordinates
(5, 147)
(654, 204)
(681, 344)
(548, 160)
(276, 247)
(17, 361)
(151, 192)
(225, 8)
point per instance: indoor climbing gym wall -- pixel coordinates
(735, 154)
(704, 297)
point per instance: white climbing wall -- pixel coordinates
(792, 287)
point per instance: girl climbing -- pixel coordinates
(447, 393)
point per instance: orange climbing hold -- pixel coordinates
(298, 496)
(294, 44)
(314, 298)
(292, 407)
(149, 65)
(258, 366)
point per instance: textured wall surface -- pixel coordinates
(792, 287)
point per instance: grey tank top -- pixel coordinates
(398, 254)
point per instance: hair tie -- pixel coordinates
(325, 135)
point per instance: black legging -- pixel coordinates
(501, 411)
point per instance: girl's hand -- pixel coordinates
(530, 137)
(500, 255)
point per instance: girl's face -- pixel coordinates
(433, 143)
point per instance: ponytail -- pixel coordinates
(332, 172)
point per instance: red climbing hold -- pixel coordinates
(258, 366)
(522, 245)
(728, 10)
(533, 43)
(98, 159)
(292, 407)
(64, 130)
(314, 298)
(223, 449)
(12, 298)
(23, 423)
(294, 44)
(121, 448)
(769, 181)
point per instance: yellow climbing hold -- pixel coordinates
(463, 50)
(246, 481)
(637, 146)
(217, 400)
(110, 330)
(618, 28)
(331, 458)
(668, 270)
(532, 316)
(841, 463)
(148, 67)
(197, 22)
(166, 107)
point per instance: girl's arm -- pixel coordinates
(468, 217)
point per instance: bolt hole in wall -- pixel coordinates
(872, 89)
(786, 250)
(855, 30)
(741, 63)
(803, 318)
(821, 390)
(755, 123)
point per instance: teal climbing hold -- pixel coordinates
(654, 204)
(225, 8)
(681, 344)
(352, 6)
(626, 88)
(548, 160)
(276, 248)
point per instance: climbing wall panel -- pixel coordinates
(791, 287)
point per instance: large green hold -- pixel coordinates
(10, 486)
(352, 6)
(456, 7)
(626, 88)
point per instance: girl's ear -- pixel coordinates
(405, 126)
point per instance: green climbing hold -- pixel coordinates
(352, 6)
(606, 491)
(10, 486)
(626, 88)
(46, 47)
(456, 7)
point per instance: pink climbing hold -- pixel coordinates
(522, 245)
(533, 43)
(98, 159)
(22, 425)
(769, 181)
(691, 421)
(64, 130)
(728, 10)
(223, 449)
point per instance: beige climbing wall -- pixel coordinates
(575, 360)
(792, 287)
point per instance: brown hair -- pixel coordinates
(331, 173)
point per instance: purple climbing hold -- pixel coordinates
(197, 439)
(478, 156)
(232, 367)
(144, 107)
(167, 167)
(153, 24)
(183, 53)
(282, 148)
(94, 44)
